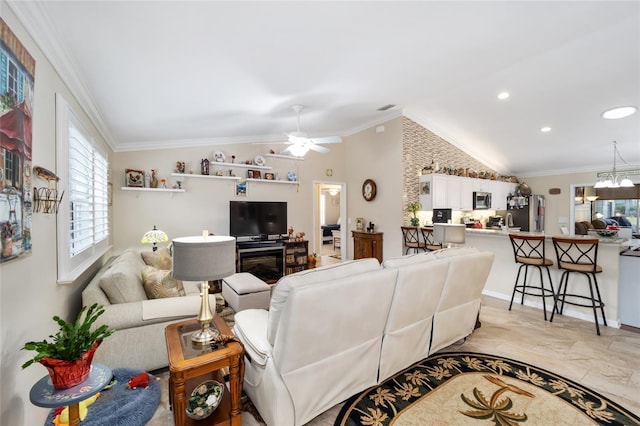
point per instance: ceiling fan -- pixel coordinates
(300, 144)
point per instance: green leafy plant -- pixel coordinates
(413, 208)
(73, 339)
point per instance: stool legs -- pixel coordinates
(544, 292)
(596, 302)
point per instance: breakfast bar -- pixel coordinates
(503, 273)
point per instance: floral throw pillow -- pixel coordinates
(159, 283)
(160, 259)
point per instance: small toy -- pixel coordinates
(140, 381)
(300, 236)
(62, 413)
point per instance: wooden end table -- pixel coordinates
(191, 364)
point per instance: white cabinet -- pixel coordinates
(456, 192)
(499, 192)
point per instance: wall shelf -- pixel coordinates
(139, 190)
(244, 166)
(285, 157)
(185, 175)
(274, 181)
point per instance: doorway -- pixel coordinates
(329, 219)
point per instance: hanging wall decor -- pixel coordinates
(17, 71)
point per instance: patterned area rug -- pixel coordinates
(477, 389)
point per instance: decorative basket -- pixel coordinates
(204, 399)
(66, 374)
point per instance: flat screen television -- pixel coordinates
(251, 220)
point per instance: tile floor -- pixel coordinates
(607, 364)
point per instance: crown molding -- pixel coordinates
(32, 16)
(387, 117)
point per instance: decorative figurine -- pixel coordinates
(154, 179)
(290, 232)
(204, 167)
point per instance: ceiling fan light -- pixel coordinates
(298, 150)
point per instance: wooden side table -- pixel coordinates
(43, 394)
(367, 244)
(191, 364)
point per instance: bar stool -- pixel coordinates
(412, 239)
(429, 243)
(528, 250)
(579, 255)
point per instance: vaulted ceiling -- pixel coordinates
(177, 73)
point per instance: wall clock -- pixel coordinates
(369, 189)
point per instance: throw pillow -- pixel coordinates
(122, 282)
(159, 283)
(160, 259)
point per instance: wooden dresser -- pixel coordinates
(367, 244)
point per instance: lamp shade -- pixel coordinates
(447, 233)
(154, 236)
(204, 258)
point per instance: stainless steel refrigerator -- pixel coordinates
(526, 211)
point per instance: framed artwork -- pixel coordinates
(360, 223)
(241, 189)
(425, 188)
(269, 176)
(254, 174)
(17, 68)
(134, 178)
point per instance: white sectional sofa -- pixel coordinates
(334, 331)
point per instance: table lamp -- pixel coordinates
(205, 258)
(449, 234)
(154, 237)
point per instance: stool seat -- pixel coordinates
(579, 255)
(245, 291)
(529, 250)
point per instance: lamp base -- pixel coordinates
(204, 335)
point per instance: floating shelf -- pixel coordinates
(206, 176)
(244, 166)
(139, 190)
(286, 157)
(274, 181)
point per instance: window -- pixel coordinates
(83, 215)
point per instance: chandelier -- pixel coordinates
(615, 178)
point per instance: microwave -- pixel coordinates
(481, 200)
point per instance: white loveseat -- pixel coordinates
(334, 331)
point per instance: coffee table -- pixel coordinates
(191, 364)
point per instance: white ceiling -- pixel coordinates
(177, 73)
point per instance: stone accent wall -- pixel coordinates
(419, 148)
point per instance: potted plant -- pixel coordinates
(413, 208)
(6, 236)
(68, 355)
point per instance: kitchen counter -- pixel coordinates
(505, 233)
(503, 273)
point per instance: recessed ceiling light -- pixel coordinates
(503, 95)
(619, 112)
(545, 129)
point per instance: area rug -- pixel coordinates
(119, 405)
(477, 389)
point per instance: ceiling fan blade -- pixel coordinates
(328, 139)
(318, 148)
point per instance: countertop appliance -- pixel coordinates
(481, 200)
(495, 222)
(526, 211)
(441, 215)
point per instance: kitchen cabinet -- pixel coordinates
(456, 192)
(367, 244)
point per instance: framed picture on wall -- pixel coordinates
(241, 189)
(134, 178)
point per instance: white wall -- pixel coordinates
(29, 295)
(205, 204)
